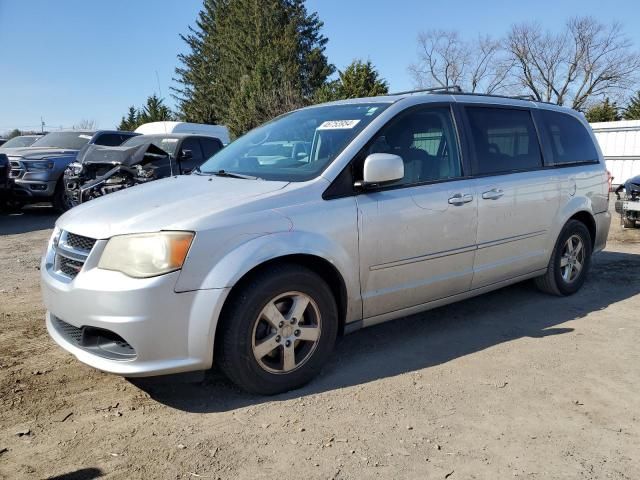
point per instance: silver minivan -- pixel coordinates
(325, 220)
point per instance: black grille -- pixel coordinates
(71, 333)
(69, 267)
(79, 242)
(103, 343)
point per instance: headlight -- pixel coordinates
(146, 254)
(39, 165)
(74, 168)
(55, 237)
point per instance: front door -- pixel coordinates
(417, 236)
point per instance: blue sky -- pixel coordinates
(68, 60)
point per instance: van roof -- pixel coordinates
(219, 131)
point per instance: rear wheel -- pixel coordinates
(570, 261)
(628, 222)
(278, 330)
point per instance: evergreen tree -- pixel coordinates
(632, 112)
(153, 111)
(243, 55)
(359, 79)
(603, 112)
(131, 121)
(197, 76)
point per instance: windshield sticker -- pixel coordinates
(338, 124)
(88, 137)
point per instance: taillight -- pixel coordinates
(609, 183)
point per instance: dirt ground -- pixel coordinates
(512, 384)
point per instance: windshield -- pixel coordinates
(297, 146)
(70, 140)
(165, 143)
(17, 142)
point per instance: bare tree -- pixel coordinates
(444, 60)
(586, 61)
(86, 124)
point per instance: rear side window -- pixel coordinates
(111, 139)
(504, 140)
(210, 146)
(568, 138)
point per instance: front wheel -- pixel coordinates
(61, 199)
(570, 261)
(628, 222)
(278, 330)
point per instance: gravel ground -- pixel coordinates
(512, 384)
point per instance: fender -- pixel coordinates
(256, 250)
(569, 209)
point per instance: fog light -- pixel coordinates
(35, 186)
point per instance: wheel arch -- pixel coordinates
(587, 219)
(319, 265)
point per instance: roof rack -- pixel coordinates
(456, 90)
(450, 88)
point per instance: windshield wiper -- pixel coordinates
(223, 173)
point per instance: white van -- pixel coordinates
(218, 131)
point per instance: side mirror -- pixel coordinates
(381, 168)
(186, 155)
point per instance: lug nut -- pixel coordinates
(281, 324)
(297, 333)
(278, 338)
(293, 320)
(287, 343)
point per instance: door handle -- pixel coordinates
(460, 199)
(493, 194)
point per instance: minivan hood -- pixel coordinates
(175, 203)
(38, 153)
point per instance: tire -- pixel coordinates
(618, 206)
(628, 222)
(61, 201)
(556, 281)
(250, 326)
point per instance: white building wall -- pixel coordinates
(620, 145)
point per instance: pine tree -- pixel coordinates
(154, 111)
(632, 112)
(359, 79)
(197, 76)
(131, 122)
(604, 112)
(246, 53)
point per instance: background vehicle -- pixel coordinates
(2, 141)
(401, 204)
(629, 205)
(102, 170)
(20, 141)
(37, 170)
(218, 131)
(4, 179)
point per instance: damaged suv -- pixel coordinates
(100, 170)
(325, 220)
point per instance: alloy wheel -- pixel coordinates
(286, 332)
(573, 258)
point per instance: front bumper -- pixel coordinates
(34, 188)
(167, 332)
